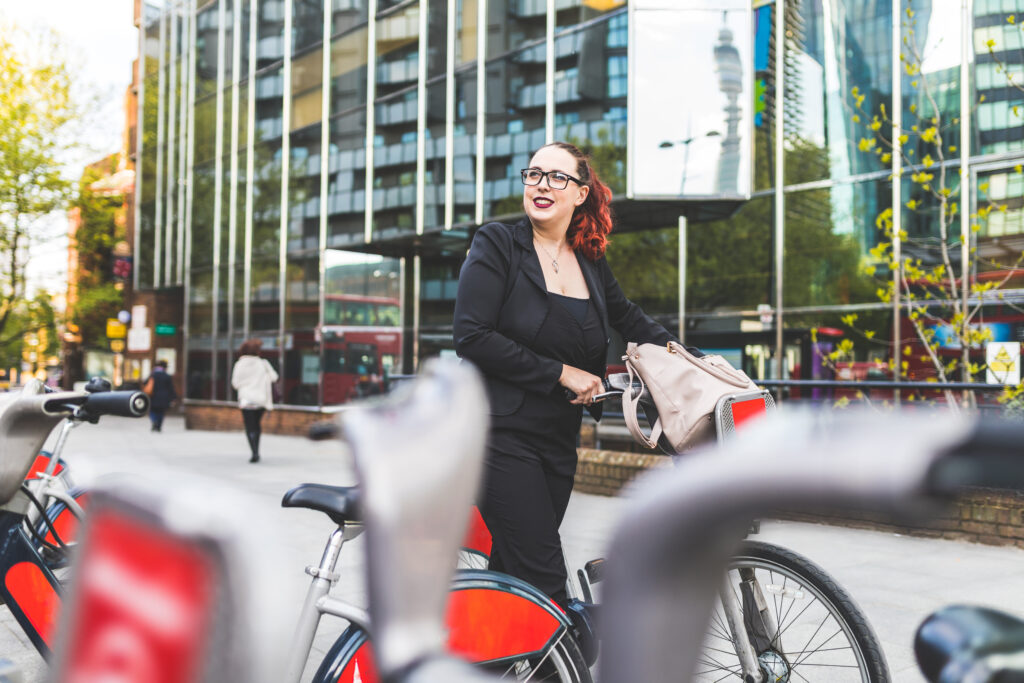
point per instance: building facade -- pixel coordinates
(312, 170)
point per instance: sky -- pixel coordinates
(102, 40)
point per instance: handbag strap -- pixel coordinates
(629, 404)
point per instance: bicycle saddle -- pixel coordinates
(976, 644)
(340, 503)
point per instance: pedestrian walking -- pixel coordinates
(253, 378)
(160, 389)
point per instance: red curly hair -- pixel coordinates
(592, 220)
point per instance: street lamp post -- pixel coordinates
(666, 144)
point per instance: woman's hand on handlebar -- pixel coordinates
(581, 383)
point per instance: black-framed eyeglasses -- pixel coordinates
(556, 179)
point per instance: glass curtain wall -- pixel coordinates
(201, 292)
(264, 276)
(346, 191)
(145, 246)
(838, 66)
(395, 114)
(302, 269)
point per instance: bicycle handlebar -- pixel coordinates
(960, 643)
(617, 384)
(90, 407)
(120, 403)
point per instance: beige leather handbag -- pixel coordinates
(685, 389)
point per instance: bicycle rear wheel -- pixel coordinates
(807, 627)
(499, 623)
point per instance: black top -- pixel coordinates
(578, 307)
(502, 303)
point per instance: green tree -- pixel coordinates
(933, 264)
(101, 226)
(36, 109)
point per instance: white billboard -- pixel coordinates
(690, 99)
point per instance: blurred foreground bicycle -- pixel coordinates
(671, 548)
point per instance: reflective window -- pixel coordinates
(826, 232)
(693, 138)
(395, 114)
(347, 14)
(590, 91)
(269, 33)
(512, 23)
(464, 160)
(515, 126)
(744, 241)
(998, 125)
(206, 50)
(839, 51)
(362, 333)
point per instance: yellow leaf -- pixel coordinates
(1012, 19)
(886, 158)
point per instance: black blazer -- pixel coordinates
(502, 302)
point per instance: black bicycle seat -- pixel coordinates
(340, 503)
(971, 643)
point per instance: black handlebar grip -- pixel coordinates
(988, 456)
(121, 403)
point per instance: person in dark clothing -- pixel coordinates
(160, 387)
(534, 303)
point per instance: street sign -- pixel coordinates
(139, 339)
(117, 345)
(1003, 360)
(165, 329)
(116, 329)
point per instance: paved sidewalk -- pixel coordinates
(897, 580)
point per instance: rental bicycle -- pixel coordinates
(779, 612)
(672, 544)
(28, 585)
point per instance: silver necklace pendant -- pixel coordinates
(554, 264)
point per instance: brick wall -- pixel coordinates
(227, 417)
(991, 516)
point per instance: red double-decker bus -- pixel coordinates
(362, 343)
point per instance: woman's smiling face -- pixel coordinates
(547, 207)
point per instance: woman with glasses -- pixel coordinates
(534, 303)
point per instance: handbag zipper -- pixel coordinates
(722, 373)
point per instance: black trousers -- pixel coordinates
(252, 417)
(523, 503)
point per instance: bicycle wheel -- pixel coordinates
(807, 627)
(499, 623)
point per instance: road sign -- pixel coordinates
(116, 329)
(117, 345)
(1003, 360)
(165, 329)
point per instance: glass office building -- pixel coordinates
(311, 171)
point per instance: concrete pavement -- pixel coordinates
(897, 580)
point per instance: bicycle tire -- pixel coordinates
(822, 634)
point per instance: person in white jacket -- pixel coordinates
(253, 378)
